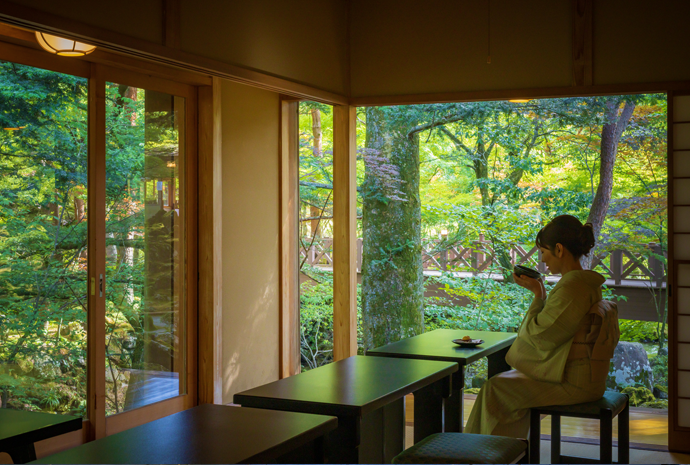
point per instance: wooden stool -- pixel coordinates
(464, 448)
(604, 409)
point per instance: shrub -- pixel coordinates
(639, 395)
(639, 331)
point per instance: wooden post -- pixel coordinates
(582, 43)
(541, 266)
(289, 358)
(656, 266)
(617, 265)
(344, 233)
(210, 387)
(96, 259)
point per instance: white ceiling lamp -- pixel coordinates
(63, 47)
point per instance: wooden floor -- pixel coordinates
(648, 427)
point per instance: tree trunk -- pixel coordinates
(392, 277)
(481, 172)
(611, 133)
(317, 133)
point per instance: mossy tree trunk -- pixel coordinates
(392, 278)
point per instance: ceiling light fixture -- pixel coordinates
(520, 100)
(63, 47)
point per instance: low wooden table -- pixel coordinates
(367, 396)
(211, 434)
(438, 345)
(20, 429)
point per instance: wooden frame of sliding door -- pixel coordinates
(122, 421)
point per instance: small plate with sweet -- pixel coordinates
(468, 342)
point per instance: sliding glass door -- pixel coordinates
(97, 243)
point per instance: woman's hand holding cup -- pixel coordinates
(536, 286)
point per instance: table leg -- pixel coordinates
(382, 433)
(342, 444)
(372, 432)
(312, 452)
(428, 408)
(393, 429)
(453, 406)
(497, 362)
(22, 453)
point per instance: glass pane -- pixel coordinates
(316, 234)
(144, 247)
(43, 214)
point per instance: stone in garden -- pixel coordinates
(630, 367)
(660, 392)
(663, 351)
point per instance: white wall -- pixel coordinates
(250, 119)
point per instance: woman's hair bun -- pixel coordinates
(578, 238)
(587, 237)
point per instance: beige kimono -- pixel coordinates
(547, 371)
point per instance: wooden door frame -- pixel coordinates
(289, 354)
(678, 436)
(210, 346)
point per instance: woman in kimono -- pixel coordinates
(546, 372)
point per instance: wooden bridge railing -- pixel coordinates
(478, 257)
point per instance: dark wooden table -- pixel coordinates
(211, 434)
(367, 396)
(19, 430)
(438, 345)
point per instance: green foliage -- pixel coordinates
(658, 403)
(639, 331)
(659, 366)
(42, 265)
(491, 305)
(639, 395)
(316, 318)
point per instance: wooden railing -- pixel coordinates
(479, 256)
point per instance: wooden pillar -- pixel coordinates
(289, 252)
(344, 232)
(210, 245)
(582, 43)
(96, 258)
